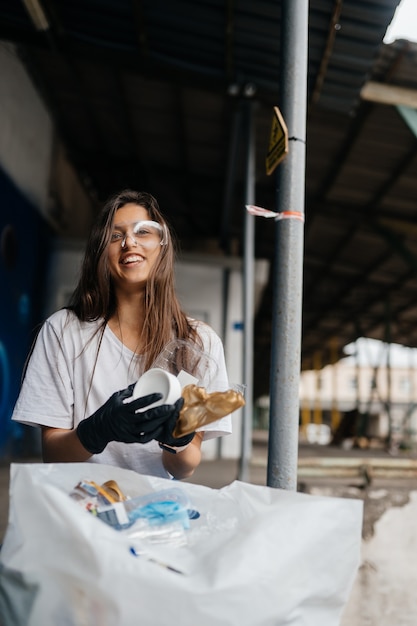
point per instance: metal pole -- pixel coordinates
(225, 229)
(288, 262)
(248, 298)
(388, 402)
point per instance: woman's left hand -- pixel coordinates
(165, 436)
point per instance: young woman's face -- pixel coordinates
(135, 245)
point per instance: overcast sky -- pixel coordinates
(372, 352)
(404, 24)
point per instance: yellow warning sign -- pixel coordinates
(278, 142)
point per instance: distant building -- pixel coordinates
(371, 395)
(383, 398)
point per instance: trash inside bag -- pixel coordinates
(253, 556)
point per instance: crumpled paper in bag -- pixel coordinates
(257, 556)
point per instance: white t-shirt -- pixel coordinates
(59, 391)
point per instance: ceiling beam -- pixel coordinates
(395, 242)
(382, 93)
(334, 27)
(37, 14)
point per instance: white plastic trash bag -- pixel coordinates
(256, 556)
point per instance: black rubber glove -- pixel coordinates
(118, 421)
(166, 438)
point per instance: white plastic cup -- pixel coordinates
(157, 380)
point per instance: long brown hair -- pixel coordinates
(94, 296)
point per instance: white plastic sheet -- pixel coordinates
(257, 556)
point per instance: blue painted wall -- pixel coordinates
(24, 244)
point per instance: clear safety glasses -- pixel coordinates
(145, 233)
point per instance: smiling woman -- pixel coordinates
(135, 246)
(87, 358)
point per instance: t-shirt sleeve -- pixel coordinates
(46, 395)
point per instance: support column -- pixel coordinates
(288, 262)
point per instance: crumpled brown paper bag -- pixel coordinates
(201, 408)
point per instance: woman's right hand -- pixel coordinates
(118, 420)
